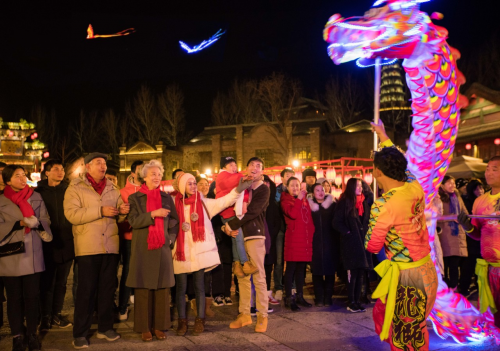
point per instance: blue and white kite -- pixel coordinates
(204, 44)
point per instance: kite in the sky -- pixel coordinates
(91, 35)
(204, 44)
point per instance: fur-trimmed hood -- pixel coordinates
(326, 204)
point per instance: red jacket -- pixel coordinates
(223, 185)
(124, 228)
(299, 228)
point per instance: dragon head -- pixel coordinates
(391, 32)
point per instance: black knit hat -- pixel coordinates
(308, 172)
(460, 182)
(225, 161)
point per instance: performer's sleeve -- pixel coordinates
(476, 222)
(389, 143)
(380, 223)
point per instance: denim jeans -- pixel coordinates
(199, 290)
(278, 267)
(53, 287)
(239, 253)
(125, 291)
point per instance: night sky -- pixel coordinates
(46, 59)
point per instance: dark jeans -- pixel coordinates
(199, 289)
(96, 279)
(53, 287)
(467, 271)
(355, 284)
(278, 267)
(207, 283)
(323, 286)
(23, 301)
(269, 270)
(294, 272)
(75, 280)
(451, 266)
(221, 280)
(125, 291)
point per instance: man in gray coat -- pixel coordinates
(93, 204)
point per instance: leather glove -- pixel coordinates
(243, 185)
(32, 221)
(465, 222)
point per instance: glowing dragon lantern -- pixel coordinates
(399, 30)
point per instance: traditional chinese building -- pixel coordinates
(14, 147)
(479, 130)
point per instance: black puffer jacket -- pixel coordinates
(274, 219)
(352, 236)
(61, 248)
(326, 251)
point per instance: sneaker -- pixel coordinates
(272, 300)
(353, 308)
(18, 343)
(218, 301)
(45, 325)
(34, 343)
(131, 299)
(228, 301)
(123, 317)
(110, 335)
(61, 321)
(80, 343)
(278, 295)
(361, 307)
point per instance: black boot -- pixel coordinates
(291, 304)
(46, 324)
(301, 301)
(33, 343)
(18, 343)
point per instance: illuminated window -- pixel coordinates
(303, 154)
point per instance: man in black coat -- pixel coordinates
(60, 252)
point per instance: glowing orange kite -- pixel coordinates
(91, 35)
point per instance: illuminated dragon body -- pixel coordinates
(399, 30)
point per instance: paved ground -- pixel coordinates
(332, 328)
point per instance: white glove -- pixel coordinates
(45, 236)
(31, 222)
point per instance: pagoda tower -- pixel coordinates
(394, 105)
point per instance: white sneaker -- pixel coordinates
(123, 317)
(294, 291)
(278, 295)
(131, 299)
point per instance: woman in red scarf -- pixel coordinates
(23, 221)
(195, 249)
(155, 224)
(351, 220)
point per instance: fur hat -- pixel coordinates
(225, 161)
(182, 181)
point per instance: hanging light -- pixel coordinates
(298, 175)
(369, 178)
(359, 176)
(277, 179)
(347, 177)
(338, 180)
(320, 173)
(330, 173)
(46, 154)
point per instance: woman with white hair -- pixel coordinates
(195, 250)
(155, 224)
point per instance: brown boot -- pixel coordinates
(261, 326)
(160, 335)
(249, 268)
(238, 270)
(182, 326)
(193, 307)
(208, 310)
(199, 326)
(241, 321)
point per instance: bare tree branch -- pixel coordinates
(172, 114)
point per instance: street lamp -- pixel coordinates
(295, 163)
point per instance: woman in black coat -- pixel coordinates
(325, 246)
(351, 220)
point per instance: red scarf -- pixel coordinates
(156, 236)
(98, 187)
(359, 204)
(197, 228)
(21, 200)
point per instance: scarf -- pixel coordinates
(156, 236)
(197, 228)
(454, 209)
(359, 204)
(21, 200)
(98, 187)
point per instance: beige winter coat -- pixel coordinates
(453, 245)
(202, 255)
(93, 233)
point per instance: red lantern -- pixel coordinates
(347, 177)
(320, 173)
(338, 180)
(330, 173)
(35, 135)
(468, 146)
(497, 141)
(369, 178)
(11, 133)
(46, 154)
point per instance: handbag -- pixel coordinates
(12, 249)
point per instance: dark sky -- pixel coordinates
(46, 59)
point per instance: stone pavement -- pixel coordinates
(326, 328)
